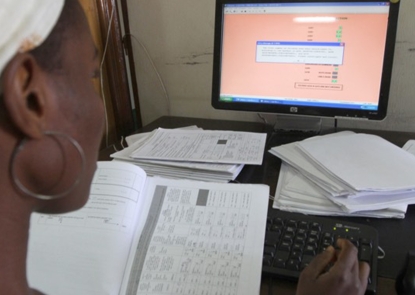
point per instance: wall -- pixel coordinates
(173, 47)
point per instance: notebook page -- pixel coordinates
(85, 252)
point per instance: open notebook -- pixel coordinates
(147, 235)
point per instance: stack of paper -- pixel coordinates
(193, 153)
(345, 173)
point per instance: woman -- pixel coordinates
(51, 121)
(51, 124)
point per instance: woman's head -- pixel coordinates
(25, 25)
(48, 99)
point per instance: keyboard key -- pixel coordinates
(280, 259)
(297, 247)
(310, 250)
(285, 246)
(288, 238)
(291, 223)
(272, 239)
(312, 242)
(365, 253)
(296, 255)
(302, 233)
(293, 264)
(290, 231)
(299, 240)
(269, 251)
(276, 228)
(366, 241)
(267, 260)
(328, 240)
(278, 221)
(314, 234)
(303, 225)
(316, 226)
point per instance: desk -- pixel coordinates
(395, 236)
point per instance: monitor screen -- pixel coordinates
(315, 58)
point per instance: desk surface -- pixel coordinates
(395, 236)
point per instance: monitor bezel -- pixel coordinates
(293, 109)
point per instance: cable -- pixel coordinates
(115, 148)
(122, 142)
(382, 253)
(166, 95)
(102, 77)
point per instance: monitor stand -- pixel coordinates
(288, 129)
(298, 124)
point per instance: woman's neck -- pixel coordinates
(14, 236)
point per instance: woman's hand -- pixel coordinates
(335, 272)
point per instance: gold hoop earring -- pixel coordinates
(27, 191)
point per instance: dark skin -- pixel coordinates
(36, 100)
(346, 276)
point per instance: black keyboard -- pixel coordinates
(292, 240)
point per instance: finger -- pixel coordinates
(319, 264)
(347, 256)
(364, 271)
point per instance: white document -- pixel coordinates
(292, 155)
(200, 241)
(297, 193)
(375, 201)
(186, 172)
(177, 169)
(345, 174)
(142, 235)
(363, 161)
(126, 153)
(227, 147)
(134, 138)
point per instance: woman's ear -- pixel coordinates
(24, 95)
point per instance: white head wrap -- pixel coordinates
(25, 24)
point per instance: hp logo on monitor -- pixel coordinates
(293, 109)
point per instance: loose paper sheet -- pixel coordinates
(227, 147)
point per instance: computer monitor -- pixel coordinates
(311, 58)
